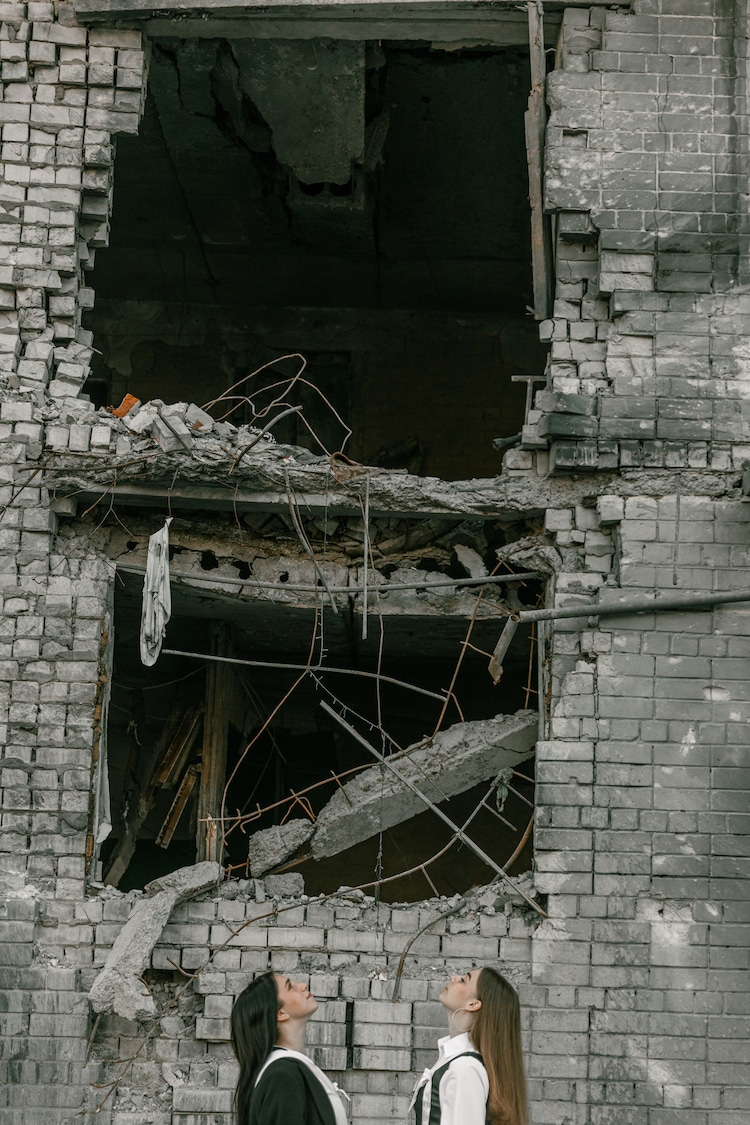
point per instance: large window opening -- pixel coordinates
(284, 724)
(362, 202)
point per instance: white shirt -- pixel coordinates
(335, 1094)
(464, 1087)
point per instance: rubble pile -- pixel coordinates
(180, 427)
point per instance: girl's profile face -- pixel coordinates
(461, 992)
(295, 999)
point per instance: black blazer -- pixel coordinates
(290, 1094)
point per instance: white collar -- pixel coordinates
(282, 1052)
(451, 1045)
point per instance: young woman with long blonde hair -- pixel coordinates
(479, 1076)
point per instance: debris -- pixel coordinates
(129, 403)
(290, 885)
(119, 988)
(471, 561)
(271, 846)
(198, 419)
(529, 554)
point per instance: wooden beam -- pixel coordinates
(179, 749)
(535, 122)
(186, 786)
(215, 734)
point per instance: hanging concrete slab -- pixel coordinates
(453, 761)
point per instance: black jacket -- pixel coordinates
(290, 1094)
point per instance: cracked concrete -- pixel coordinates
(450, 763)
(119, 987)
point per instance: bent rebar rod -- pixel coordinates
(313, 669)
(433, 807)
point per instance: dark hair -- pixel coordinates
(254, 1030)
(496, 1034)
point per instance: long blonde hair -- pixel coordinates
(496, 1034)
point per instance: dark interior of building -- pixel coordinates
(280, 742)
(362, 203)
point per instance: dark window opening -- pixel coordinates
(366, 207)
(286, 758)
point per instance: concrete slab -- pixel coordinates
(119, 987)
(452, 762)
(271, 846)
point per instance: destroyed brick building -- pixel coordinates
(393, 357)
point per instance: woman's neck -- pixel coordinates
(458, 1023)
(292, 1036)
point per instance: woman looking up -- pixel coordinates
(278, 1083)
(479, 1077)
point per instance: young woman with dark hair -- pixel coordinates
(479, 1077)
(278, 1083)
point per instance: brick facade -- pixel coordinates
(635, 985)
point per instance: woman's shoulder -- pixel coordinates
(469, 1063)
(285, 1063)
(467, 1059)
(284, 1066)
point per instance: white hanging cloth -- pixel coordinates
(157, 598)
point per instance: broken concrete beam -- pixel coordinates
(271, 846)
(119, 987)
(453, 761)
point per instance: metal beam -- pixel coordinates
(383, 588)
(634, 605)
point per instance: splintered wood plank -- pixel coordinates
(215, 734)
(181, 798)
(178, 749)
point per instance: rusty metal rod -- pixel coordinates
(290, 587)
(313, 669)
(502, 646)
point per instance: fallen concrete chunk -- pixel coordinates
(289, 885)
(119, 987)
(470, 560)
(198, 419)
(271, 846)
(455, 760)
